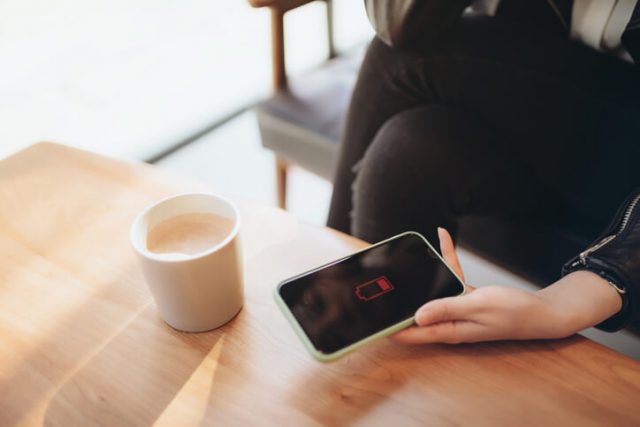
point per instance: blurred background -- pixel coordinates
(135, 80)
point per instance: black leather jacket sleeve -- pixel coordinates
(398, 22)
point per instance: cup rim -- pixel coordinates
(158, 257)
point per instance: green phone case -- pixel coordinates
(324, 357)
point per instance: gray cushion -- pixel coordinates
(302, 123)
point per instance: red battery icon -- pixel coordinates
(373, 288)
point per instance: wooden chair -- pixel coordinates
(301, 122)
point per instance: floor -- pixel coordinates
(232, 160)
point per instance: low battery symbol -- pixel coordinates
(373, 288)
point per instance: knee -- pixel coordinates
(403, 174)
(415, 148)
(416, 173)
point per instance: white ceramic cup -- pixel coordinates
(194, 293)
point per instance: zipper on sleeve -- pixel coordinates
(582, 258)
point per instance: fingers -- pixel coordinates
(446, 309)
(447, 332)
(449, 251)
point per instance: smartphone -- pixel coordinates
(345, 304)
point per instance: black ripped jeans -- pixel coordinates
(493, 119)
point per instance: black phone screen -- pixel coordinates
(342, 303)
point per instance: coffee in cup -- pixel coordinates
(188, 234)
(190, 253)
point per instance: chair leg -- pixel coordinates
(281, 182)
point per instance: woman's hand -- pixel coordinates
(500, 313)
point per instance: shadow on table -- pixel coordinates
(134, 377)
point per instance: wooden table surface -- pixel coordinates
(82, 344)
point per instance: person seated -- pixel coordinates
(532, 111)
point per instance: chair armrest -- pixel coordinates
(282, 5)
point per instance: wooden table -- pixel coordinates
(81, 342)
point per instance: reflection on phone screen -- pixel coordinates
(367, 292)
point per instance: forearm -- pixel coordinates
(580, 300)
(577, 301)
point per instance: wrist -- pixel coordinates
(581, 299)
(560, 320)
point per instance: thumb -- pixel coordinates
(449, 251)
